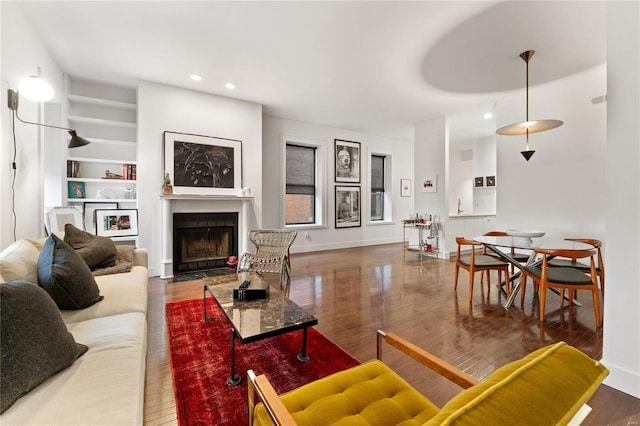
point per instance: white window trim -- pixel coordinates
(321, 180)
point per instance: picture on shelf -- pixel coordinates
(90, 213)
(491, 181)
(479, 182)
(76, 189)
(57, 217)
(116, 223)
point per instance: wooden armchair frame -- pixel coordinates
(544, 281)
(259, 385)
(476, 261)
(573, 263)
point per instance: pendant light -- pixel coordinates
(528, 126)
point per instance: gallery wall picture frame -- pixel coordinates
(89, 209)
(347, 205)
(405, 187)
(76, 189)
(478, 182)
(57, 217)
(117, 222)
(347, 161)
(203, 165)
(491, 180)
(429, 184)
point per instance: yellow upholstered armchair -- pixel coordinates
(547, 387)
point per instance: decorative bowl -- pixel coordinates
(525, 234)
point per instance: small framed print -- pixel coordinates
(479, 182)
(491, 181)
(405, 187)
(76, 189)
(347, 161)
(90, 214)
(430, 184)
(117, 223)
(58, 217)
(347, 206)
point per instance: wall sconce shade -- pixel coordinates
(35, 89)
(74, 142)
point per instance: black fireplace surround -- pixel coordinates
(203, 240)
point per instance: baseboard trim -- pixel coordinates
(622, 379)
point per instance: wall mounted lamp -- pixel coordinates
(38, 90)
(528, 126)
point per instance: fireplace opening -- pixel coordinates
(203, 240)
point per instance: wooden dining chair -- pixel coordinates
(545, 276)
(573, 263)
(478, 262)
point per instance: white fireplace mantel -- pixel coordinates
(184, 203)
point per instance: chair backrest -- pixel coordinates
(273, 241)
(496, 234)
(597, 244)
(570, 253)
(250, 262)
(465, 242)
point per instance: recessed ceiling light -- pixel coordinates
(195, 77)
(488, 115)
(230, 85)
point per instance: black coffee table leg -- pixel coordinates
(303, 356)
(234, 379)
(204, 303)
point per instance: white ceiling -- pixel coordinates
(376, 67)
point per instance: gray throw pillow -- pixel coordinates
(65, 276)
(35, 343)
(98, 252)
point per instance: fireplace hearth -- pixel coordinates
(203, 240)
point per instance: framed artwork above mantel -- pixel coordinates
(203, 165)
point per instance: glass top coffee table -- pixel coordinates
(253, 320)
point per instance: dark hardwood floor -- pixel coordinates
(355, 291)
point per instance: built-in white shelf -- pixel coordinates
(101, 121)
(100, 160)
(103, 102)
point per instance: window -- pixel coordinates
(377, 187)
(300, 193)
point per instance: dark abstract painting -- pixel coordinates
(198, 165)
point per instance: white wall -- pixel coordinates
(561, 189)
(460, 181)
(23, 54)
(167, 108)
(484, 164)
(621, 352)
(326, 237)
(431, 158)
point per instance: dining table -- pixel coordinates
(502, 246)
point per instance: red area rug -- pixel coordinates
(201, 363)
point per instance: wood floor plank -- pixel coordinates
(355, 291)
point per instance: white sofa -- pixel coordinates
(105, 386)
